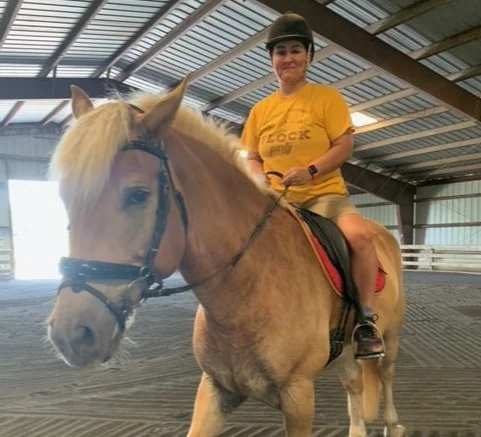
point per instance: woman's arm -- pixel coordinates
(339, 152)
(256, 166)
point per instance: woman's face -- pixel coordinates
(289, 60)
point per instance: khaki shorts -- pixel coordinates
(332, 206)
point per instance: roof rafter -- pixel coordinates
(447, 170)
(12, 113)
(193, 20)
(51, 115)
(468, 73)
(447, 44)
(403, 16)
(380, 54)
(266, 80)
(163, 12)
(9, 15)
(31, 88)
(438, 162)
(402, 119)
(432, 149)
(417, 135)
(385, 187)
(76, 31)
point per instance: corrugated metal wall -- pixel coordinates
(450, 204)
(5, 233)
(377, 209)
(457, 207)
(26, 155)
(22, 157)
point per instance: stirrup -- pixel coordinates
(377, 355)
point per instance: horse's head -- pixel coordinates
(126, 221)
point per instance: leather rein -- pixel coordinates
(78, 272)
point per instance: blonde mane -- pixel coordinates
(85, 155)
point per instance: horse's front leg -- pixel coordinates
(212, 405)
(297, 405)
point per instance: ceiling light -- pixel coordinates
(360, 119)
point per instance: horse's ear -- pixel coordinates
(81, 103)
(162, 114)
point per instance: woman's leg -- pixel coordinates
(364, 272)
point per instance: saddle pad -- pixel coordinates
(327, 265)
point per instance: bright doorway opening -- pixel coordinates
(39, 227)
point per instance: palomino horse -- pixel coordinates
(150, 188)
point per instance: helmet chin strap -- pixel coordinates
(308, 61)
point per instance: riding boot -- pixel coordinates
(370, 344)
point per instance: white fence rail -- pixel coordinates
(446, 258)
(415, 257)
(6, 264)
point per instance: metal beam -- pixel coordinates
(382, 100)
(452, 180)
(12, 113)
(405, 221)
(382, 186)
(139, 35)
(431, 149)
(207, 8)
(26, 88)
(9, 15)
(81, 25)
(404, 118)
(439, 162)
(447, 171)
(447, 225)
(51, 115)
(417, 135)
(466, 74)
(420, 8)
(352, 38)
(242, 48)
(266, 80)
(447, 44)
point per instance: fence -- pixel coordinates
(415, 257)
(446, 258)
(6, 264)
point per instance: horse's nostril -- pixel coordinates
(84, 336)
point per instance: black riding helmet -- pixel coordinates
(290, 26)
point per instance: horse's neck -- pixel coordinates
(224, 207)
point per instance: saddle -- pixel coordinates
(334, 255)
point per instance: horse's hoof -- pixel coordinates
(395, 431)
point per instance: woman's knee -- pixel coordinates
(359, 236)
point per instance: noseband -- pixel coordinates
(79, 272)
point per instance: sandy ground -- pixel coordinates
(438, 385)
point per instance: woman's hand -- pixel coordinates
(296, 176)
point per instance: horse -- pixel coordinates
(152, 187)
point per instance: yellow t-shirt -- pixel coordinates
(296, 130)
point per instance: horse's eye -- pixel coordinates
(137, 197)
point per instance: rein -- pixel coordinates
(78, 272)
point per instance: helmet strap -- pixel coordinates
(308, 61)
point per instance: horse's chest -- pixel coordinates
(240, 371)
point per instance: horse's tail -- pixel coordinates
(371, 380)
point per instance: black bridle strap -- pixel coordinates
(160, 292)
(120, 313)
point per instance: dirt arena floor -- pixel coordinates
(438, 385)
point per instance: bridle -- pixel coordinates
(78, 272)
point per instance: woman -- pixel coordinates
(305, 131)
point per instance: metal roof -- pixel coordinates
(151, 44)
